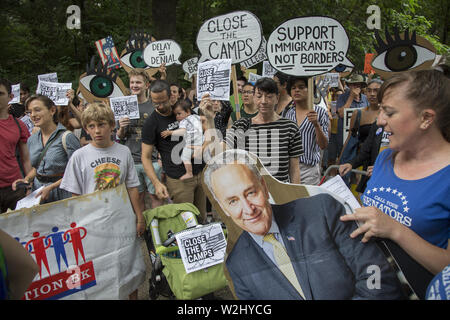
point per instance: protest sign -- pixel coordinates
(55, 91)
(253, 77)
(308, 46)
(190, 67)
(401, 52)
(163, 51)
(15, 90)
(213, 77)
(49, 77)
(108, 53)
(248, 71)
(258, 57)
(331, 80)
(85, 247)
(126, 106)
(236, 36)
(28, 122)
(268, 71)
(201, 247)
(348, 112)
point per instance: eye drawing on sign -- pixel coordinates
(401, 53)
(99, 84)
(132, 57)
(343, 70)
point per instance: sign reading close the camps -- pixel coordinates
(258, 57)
(236, 36)
(201, 247)
(15, 90)
(190, 66)
(308, 46)
(55, 91)
(213, 77)
(49, 77)
(164, 51)
(126, 106)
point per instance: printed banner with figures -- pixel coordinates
(201, 247)
(86, 247)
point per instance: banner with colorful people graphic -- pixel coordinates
(85, 247)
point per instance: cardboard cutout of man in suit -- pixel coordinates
(328, 264)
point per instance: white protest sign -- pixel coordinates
(30, 200)
(201, 247)
(308, 46)
(258, 57)
(55, 91)
(213, 77)
(85, 247)
(126, 106)
(163, 51)
(28, 122)
(236, 36)
(253, 77)
(49, 77)
(15, 90)
(348, 112)
(268, 71)
(190, 67)
(332, 80)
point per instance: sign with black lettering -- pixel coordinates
(126, 106)
(190, 67)
(164, 51)
(308, 46)
(55, 91)
(268, 71)
(213, 77)
(236, 36)
(15, 90)
(258, 57)
(49, 77)
(201, 247)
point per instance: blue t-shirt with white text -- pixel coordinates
(422, 205)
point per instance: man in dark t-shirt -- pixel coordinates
(188, 190)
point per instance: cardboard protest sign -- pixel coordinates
(201, 247)
(268, 71)
(85, 247)
(253, 77)
(132, 56)
(308, 46)
(55, 91)
(190, 67)
(260, 56)
(15, 90)
(401, 53)
(348, 112)
(108, 53)
(126, 106)
(49, 77)
(236, 36)
(99, 83)
(213, 77)
(163, 51)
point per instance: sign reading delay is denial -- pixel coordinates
(236, 36)
(308, 46)
(164, 51)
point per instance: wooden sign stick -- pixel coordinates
(311, 93)
(235, 91)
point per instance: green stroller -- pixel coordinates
(168, 276)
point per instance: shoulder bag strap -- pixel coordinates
(44, 151)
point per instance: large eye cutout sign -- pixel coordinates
(401, 53)
(100, 84)
(132, 57)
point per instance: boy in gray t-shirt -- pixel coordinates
(103, 163)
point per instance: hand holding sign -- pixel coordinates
(235, 36)
(164, 51)
(190, 66)
(308, 46)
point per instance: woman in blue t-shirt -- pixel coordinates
(410, 182)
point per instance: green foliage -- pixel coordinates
(34, 38)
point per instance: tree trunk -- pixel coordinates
(164, 27)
